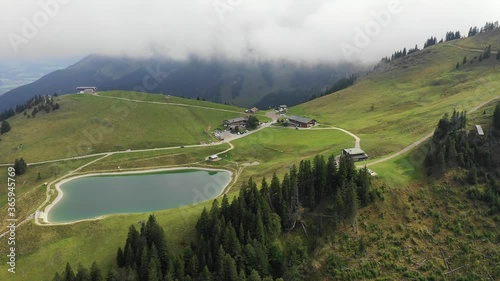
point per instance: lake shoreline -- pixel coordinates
(60, 194)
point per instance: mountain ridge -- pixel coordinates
(240, 83)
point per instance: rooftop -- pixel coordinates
(300, 119)
(354, 151)
(236, 120)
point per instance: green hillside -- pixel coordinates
(398, 103)
(87, 124)
(414, 228)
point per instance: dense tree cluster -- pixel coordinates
(38, 103)
(82, 274)
(450, 35)
(490, 26)
(473, 31)
(7, 114)
(400, 54)
(430, 42)
(5, 127)
(244, 239)
(341, 84)
(487, 27)
(452, 146)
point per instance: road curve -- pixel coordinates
(415, 144)
(469, 49)
(357, 140)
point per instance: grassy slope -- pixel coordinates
(408, 98)
(417, 95)
(88, 124)
(52, 246)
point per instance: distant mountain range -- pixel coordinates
(260, 84)
(19, 72)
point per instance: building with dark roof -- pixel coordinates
(302, 122)
(238, 121)
(356, 154)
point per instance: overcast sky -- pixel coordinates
(299, 30)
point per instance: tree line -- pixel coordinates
(37, 103)
(487, 27)
(450, 35)
(251, 237)
(452, 146)
(40, 102)
(341, 84)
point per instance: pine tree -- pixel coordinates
(254, 276)
(143, 270)
(82, 274)
(95, 272)
(363, 183)
(120, 257)
(457, 66)
(57, 277)
(487, 52)
(112, 276)
(20, 166)
(206, 275)
(5, 127)
(230, 270)
(68, 274)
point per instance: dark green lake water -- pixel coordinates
(93, 196)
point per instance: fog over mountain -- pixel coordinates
(301, 31)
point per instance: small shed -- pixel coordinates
(213, 157)
(479, 130)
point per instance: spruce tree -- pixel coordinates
(498, 55)
(57, 277)
(5, 127)
(487, 52)
(206, 275)
(82, 274)
(254, 276)
(120, 257)
(95, 272)
(68, 274)
(20, 166)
